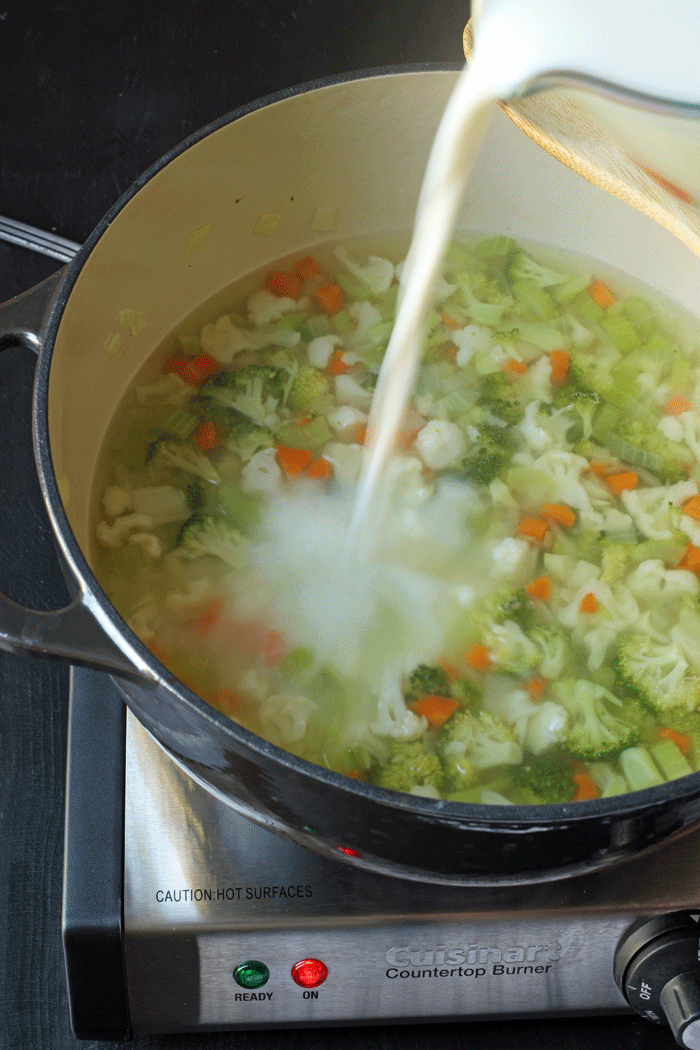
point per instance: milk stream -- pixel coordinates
(452, 157)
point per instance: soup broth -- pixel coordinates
(521, 623)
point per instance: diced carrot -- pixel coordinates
(176, 363)
(600, 469)
(207, 436)
(319, 469)
(361, 435)
(286, 285)
(692, 508)
(355, 774)
(540, 588)
(691, 559)
(536, 686)
(589, 603)
(199, 368)
(559, 513)
(451, 672)
(436, 709)
(585, 787)
(618, 483)
(275, 648)
(307, 267)
(336, 366)
(559, 367)
(678, 404)
(681, 740)
(329, 298)
(448, 321)
(226, 701)
(517, 368)
(600, 294)
(477, 657)
(293, 460)
(208, 618)
(533, 528)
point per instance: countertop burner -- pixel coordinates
(182, 915)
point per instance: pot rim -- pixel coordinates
(512, 818)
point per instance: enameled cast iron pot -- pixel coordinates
(324, 162)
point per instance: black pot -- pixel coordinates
(325, 162)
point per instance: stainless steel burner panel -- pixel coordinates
(206, 892)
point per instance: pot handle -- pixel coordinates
(72, 634)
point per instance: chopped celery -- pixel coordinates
(241, 510)
(621, 332)
(196, 671)
(458, 258)
(670, 760)
(586, 308)
(639, 769)
(342, 323)
(544, 336)
(604, 421)
(539, 304)
(311, 435)
(314, 327)
(640, 314)
(632, 454)
(189, 344)
(495, 250)
(680, 373)
(172, 421)
(566, 292)
(293, 320)
(484, 364)
(352, 288)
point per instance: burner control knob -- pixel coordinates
(657, 969)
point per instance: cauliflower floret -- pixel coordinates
(536, 726)
(264, 307)
(393, 717)
(440, 443)
(163, 503)
(286, 716)
(349, 392)
(346, 418)
(262, 472)
(474, 338)
(564, 469)
(651, 579)
(149, 544)
(548, 725)
(171, 390)
(671, 428)
(510, 556)
(346, 461)
(321, 349)
(223, 341)
(652, 509)
(365, 316)
(115, 535)
(377, 273)
(116, 501)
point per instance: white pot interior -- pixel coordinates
(329, 164)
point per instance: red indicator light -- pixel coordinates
(309, 973)
(349, 852)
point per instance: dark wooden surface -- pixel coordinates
(90, 95)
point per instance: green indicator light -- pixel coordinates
(251, 974)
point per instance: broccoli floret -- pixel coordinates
(465, 692)
(615, 561)
(508, 604)
(488, 458)
(172, 454)
(681, 720)
(553, 648)
(254, 390)
(523, 268)
(309, 383)
(641, 443)
(482, 298)
(427, 681)
(202, 536)
(498, 397)
(370, 381)
(247, 438)
(481, 739)
(547, 777)
(410, 765)
(460, 773)
(581, 402)
(595, 732)
(656, 672)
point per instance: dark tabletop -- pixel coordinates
(91, 95)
